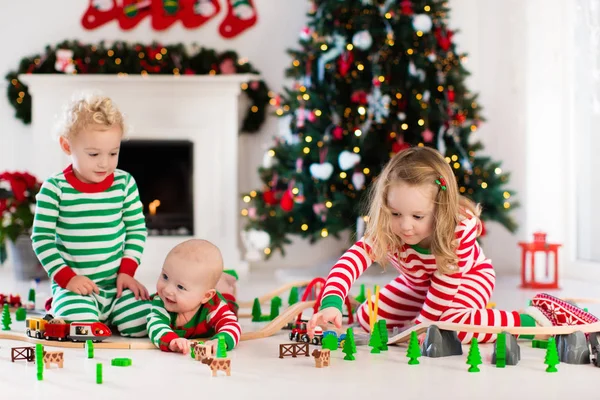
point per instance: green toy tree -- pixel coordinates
(256, 311)
(551, 359)
(275, 305)
(474, 357)
(31, 296)
(362, 295)
(330, 342)
(6, 320)
(383, 332)
(293, 298)
(414, 351)
(369, 79)
(375, 340)
(349, 348)
(221, 348)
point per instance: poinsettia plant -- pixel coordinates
(17, 206)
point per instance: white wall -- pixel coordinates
(493, 33)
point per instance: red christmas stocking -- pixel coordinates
(133, 12)
(196, 12)
(100, 12)
(241, 15)
(165, 13)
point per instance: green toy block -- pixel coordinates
(539, 344)
(361, 296)
(21, 314)
(31, 296)
(99, 373)
(89, 345)
(501, 350)
(221, 348)
(293, 298)
(121, 362)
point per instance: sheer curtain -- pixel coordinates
(585, 113)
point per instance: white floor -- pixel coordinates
(258, 373)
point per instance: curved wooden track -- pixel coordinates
(144, 344)
(276, 292)
(404, 336)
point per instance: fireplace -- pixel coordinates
(192, 118)
(163, 171)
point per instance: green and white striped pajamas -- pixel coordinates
(94, 230)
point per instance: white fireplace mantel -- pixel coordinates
(202, 109)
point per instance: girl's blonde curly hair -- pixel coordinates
(418, 166)
(95, 111)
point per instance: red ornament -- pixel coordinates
(406, 7)
(461, 117)
(399, 145)
(287, 201)
(359, 96)
(189, 71)
(427, 135)
(338, 133)
(345, 63)
(451, 95)
(443, 39)
(227, 67)
(270, 198)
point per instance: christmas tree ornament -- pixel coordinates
(348, 160)
(287, 201)
(378, 105)
(417, 72)
(299, 165)
(451, 95)
(270, 197)
(306, 34)
(64, 61)
(401, 116)
(321, 171)
(320, 210)
(339, 43)
(406, 7)
(345, 63)
(427, 136)
(422, 22)
(358, 180)
(432, 57)
(299, 197)
(338, 133)
(443, 38)
(252, 212)
(426, 96)
(241, 15)
(269, 159)
(255, 242)
(359, 96)
(362, 40)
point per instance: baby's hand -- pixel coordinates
(180, 345)
(82, 285)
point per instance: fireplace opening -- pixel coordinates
(163, 171)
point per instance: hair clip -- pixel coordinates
(441, 182)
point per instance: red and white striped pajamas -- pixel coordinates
(420, 293)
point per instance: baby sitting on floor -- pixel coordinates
(187, 304)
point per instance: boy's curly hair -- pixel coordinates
(90, 110)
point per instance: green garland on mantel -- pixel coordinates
(137, 58)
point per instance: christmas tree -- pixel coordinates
(413, 352)
(275, 304)
(330, 342)
(221, 348)
(375, 340)
(474, 357)
(349, 348)
(6, 320)
(293, 298)
(31, 296)
(383, 333)
(256, 311)
(371, 77)
(551, 359)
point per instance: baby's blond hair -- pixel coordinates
(418, 166)
(88, 111)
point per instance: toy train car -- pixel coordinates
(55, 329)
(11, 300)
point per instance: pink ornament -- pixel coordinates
(252, 212)
(320, 210)
(227, 67)
(427, 136)
(338, 133)
(254, 85)
(299, 165)
(358, 180)
(312, 117)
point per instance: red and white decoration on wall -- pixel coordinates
(240, 14)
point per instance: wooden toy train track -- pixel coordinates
(276, 292)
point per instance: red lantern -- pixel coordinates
(539, 244)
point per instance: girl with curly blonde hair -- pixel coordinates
(421, 226)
